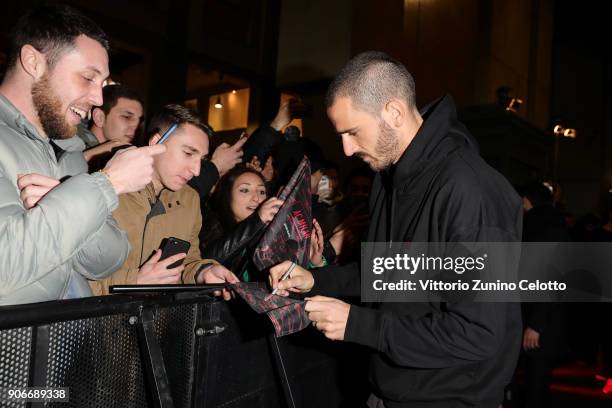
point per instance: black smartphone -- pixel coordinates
(172, 246)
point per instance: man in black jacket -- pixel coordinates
(431, 186)
(543, 336)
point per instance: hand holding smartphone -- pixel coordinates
(172, 246)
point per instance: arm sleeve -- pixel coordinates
(462, 332)
(228, 246)
(540, 315)
(261, 143)
(38, 240)
(336, 280)
(123, 276)
(103, 253)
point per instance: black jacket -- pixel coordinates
(227, 245)
(545, 224)
(456, 354)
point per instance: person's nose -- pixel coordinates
(133, 125)
(95, 95)
(195, 168)
(347, 146)
(256, 197)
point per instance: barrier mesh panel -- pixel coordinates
(174, 328)
(15, 346)
(245, 376)
(98, 359)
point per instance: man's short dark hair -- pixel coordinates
(170, 114)
(370, 80)
(112, 93)
(52, 30)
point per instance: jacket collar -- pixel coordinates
(149, 193)
(147, 197)
(14, 119)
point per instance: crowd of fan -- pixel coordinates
(79, 214)
(223, 200)
(82, 213)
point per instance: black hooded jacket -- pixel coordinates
(459, 354)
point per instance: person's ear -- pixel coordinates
(395, 113)
(32, 61)
(154, 139)
(98, 117)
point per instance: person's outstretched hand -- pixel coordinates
(218, 274)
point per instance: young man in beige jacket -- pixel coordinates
(166, 208)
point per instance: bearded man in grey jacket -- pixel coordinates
(56, 227)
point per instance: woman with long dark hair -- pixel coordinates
(242, 210)
(240, 213)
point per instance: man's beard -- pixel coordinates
(387, 148)
(49, 109)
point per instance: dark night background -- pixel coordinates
(553, 55)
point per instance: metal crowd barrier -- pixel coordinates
(178, 350)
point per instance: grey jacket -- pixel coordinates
(69, 235)
(72, 161)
